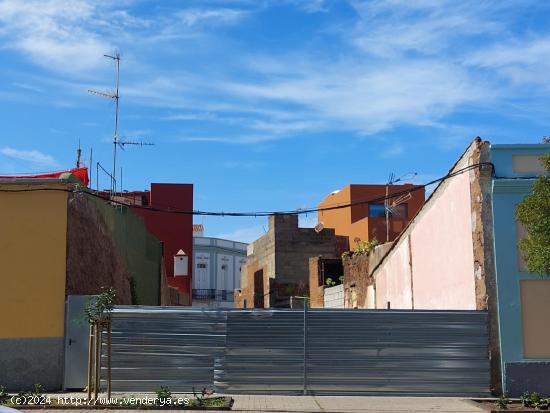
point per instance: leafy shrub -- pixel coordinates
(542, 404)
(164, 395)
(99, 307)
(502, 402)
(37, 390)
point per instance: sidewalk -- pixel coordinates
(351, 404)
(326, 404)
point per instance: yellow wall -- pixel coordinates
(33, 227)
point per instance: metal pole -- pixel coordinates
(97, 359)
(305, 346)
(90, 361)
(109, 331)
(386, 204)
(115, 140)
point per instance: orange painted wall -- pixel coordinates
(354, 222)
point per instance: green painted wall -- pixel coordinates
(140, 250)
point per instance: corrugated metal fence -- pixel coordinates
(262, 351)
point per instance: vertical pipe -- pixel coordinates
(90, 361)
(305, 346)
(97, 359)
(109, 331)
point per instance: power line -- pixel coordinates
(267, 213)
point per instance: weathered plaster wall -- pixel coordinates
(432, 264)
(442, 250)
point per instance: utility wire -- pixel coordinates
(79, 189)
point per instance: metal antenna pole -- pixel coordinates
(116, 97)
(115, 137)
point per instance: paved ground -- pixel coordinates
(329, 404)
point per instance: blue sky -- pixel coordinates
(270, 104)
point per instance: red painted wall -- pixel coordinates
(174, 230)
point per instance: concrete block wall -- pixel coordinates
(334, 297)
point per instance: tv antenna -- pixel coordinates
(389, 207)
(123, 142)
(113, 96)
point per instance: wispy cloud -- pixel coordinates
(33, 157)
(193, 17)
(247, 235)
(51, 33)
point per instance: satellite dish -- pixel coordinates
(319, 227)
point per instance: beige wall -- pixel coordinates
(33, 229)
(535, 313)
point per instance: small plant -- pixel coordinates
(542, 404)
(502, 402)
(98, 308)
(24, 396)
(525, 399)
(37, 390)
(203, 397)
(3, 393)
(330, 282)
(535, 398)
(341, 279)
(164, 395)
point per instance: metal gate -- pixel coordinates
(319, 351)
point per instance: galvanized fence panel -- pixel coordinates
(164, 346)
(397, 352)
(262, 351)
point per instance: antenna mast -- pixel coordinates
(115, 96)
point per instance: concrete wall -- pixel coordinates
(32, 297)
(283, 254)
(334, 297)
(521, 370)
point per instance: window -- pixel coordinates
(378, 210)
(535, 313)
(201, 265)
(224, 267)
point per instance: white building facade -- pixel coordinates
(216, 270)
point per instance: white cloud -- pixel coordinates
(247, 235)
(33, 157)
(193, 17)
(520, 60)
(51, 33)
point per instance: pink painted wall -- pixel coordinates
(393, 280)
(441, 254)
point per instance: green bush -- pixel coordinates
(164, 395)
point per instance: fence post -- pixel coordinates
(305, 346)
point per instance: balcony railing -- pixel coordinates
(213, 295)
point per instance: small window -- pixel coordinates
(201, 265)
(224, 267)
(377, 211)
